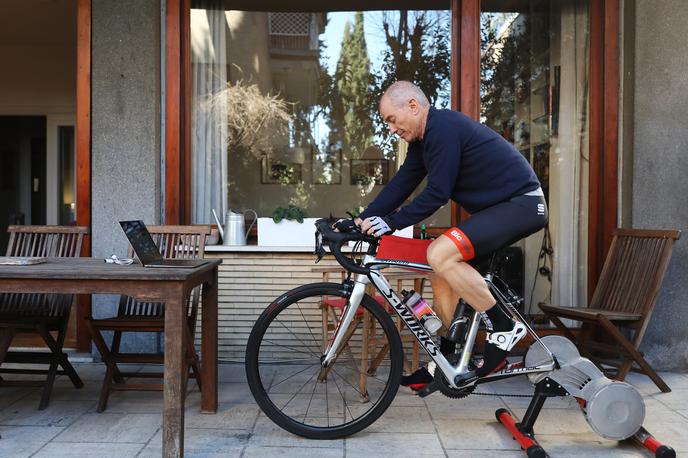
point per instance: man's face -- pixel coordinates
(403, 120)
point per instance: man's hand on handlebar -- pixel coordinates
(377, 226)
(346, 225)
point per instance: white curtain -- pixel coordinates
(208, 121)
(569, 159)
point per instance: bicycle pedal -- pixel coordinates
(428, 389)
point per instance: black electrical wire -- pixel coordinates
(545, 255)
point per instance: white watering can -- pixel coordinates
(233, 232)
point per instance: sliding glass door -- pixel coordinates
(534, 70)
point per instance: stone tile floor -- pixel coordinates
(435, 426)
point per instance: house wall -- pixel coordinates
(660, 149)
(126, 128)
(249, 281)
(39, 79)
(38, 49)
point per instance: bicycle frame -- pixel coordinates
(451, 373)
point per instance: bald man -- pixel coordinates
(475, 167)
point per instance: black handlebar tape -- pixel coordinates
(337, 239)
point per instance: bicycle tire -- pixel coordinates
(265, 399)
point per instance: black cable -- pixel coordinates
(545, 253)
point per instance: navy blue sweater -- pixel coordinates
(464, 161)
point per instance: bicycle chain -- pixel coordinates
(503, 395)
(455, 393)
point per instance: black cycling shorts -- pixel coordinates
(499, 226)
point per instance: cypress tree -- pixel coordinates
(352, 122)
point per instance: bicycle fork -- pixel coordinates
(344, 322)
(347, 318)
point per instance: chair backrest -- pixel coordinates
(46, 241)
(42, 241)
(174, 242)
(633, 270)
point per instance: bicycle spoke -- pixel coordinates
(306, 321)
(288, 354)
(343, 399)
(356, 389)
(304, 384)
(327, 404)
(310, 401)
(297, 350)
(292, 333)
(293, 375)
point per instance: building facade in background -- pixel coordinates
(167, 109)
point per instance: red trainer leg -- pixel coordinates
(653, 445)
(529, 444)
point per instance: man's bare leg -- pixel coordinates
(448, 263)
(465, 281)
(444, 303)
(444, 299)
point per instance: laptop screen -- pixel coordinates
(141, 241)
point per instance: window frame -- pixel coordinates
(604, 112)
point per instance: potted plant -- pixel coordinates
(288, 226)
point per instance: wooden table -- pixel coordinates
(169, 285)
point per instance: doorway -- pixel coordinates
(22, 172)
(534, 78)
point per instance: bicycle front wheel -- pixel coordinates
(284, 371)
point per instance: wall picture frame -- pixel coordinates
(326, 167)
(276, 172)
(367, 171)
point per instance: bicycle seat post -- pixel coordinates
(497, 260)
(467, 352)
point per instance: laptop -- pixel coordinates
(147, 251)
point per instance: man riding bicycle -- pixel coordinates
(474, 166)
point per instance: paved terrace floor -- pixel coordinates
(435, 426)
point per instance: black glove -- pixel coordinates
(346, 225)
(381, 225)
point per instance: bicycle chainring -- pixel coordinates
(443, 384)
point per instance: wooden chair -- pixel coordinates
(174, 242)
(623, 301)
(374, 346)
(41, 314)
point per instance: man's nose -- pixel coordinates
(392, 129)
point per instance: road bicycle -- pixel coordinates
(326, 385)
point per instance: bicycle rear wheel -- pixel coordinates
(286, 378)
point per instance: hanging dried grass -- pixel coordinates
(255, 122)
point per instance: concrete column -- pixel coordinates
(660, 164)
(125, 128)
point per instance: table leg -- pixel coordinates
(175, 350)
(209, 346)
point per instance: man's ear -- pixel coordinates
(413, 106)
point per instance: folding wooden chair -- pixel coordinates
(622, 303)
(374, 346)
(41, 314)
(174, 242)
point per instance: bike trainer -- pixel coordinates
(613, 409)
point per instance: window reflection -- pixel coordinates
(534, 92)
(292, 99)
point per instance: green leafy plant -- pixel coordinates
(292, 213)
(354, 212)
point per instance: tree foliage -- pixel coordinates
(418, 50)
(505, 68)
(351, 123)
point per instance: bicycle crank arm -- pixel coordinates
(511, 370)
